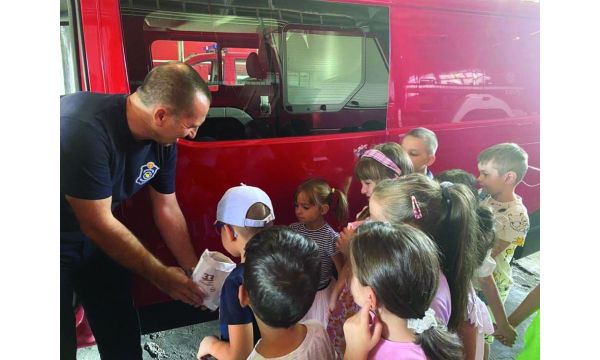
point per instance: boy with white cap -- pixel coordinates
(241, 213)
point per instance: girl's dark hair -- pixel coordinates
(281, 275)
(449, 217)
(320, 193)
(485, 215)
(370, 169)
(400, 264)
(459, 176)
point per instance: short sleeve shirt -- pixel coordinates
(512, 224)
(231, 311)
(325, 237)
(316, 345)
(100, 158)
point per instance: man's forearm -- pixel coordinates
(122, 246)
(173, 228)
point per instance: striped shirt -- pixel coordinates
(325, 238)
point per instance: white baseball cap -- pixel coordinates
(236, 201)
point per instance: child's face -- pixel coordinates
(490, 180)
(375, 210)
(367, 187)
(416, 149)
(307, 213)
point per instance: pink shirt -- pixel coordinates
(442, 302)
(386, 349)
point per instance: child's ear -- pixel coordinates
(510, 177)
(324, 209)
(431, 160)
(230, 231)
(243, 296)
(373, 303)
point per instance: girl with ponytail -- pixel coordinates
(447, 213)
(314, 198)
(383, 161)
(395, 271)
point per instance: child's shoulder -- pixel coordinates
(296, 226)
(235, 277)
(316, 342)
(329, 230)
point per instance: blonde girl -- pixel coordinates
(447, 213)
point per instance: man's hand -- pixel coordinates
(205, 346)
(359, 338)
(177, 285)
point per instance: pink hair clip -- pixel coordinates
(415, 207)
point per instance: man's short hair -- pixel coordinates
(506, 157)
(281, 275)
(174, 85)
(428, 136)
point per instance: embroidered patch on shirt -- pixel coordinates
(147, 172)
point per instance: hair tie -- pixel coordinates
(426, 322)
(416, 208)
(445, 194)
(333, 200)
(445, 185)
(383, 160)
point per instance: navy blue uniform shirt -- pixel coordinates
(99, 157)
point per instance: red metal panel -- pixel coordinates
(101, 23)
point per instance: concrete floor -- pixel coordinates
(182, 343)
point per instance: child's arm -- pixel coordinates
(359, 338)
(504, 331)
(499, 247)
(529, 305)
(338, 261)
(339, 285)
(468, 334)
(240, 344)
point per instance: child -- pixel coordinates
(395, 275)
(280, 282)
(501, 169)
(313, 200)
(479, 322)
(241, 213)
(447, 213)
(383, 161)
(421, 145)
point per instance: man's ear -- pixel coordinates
(159, 116)
(243, 296)
(431, 160)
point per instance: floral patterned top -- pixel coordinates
(512, 224)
